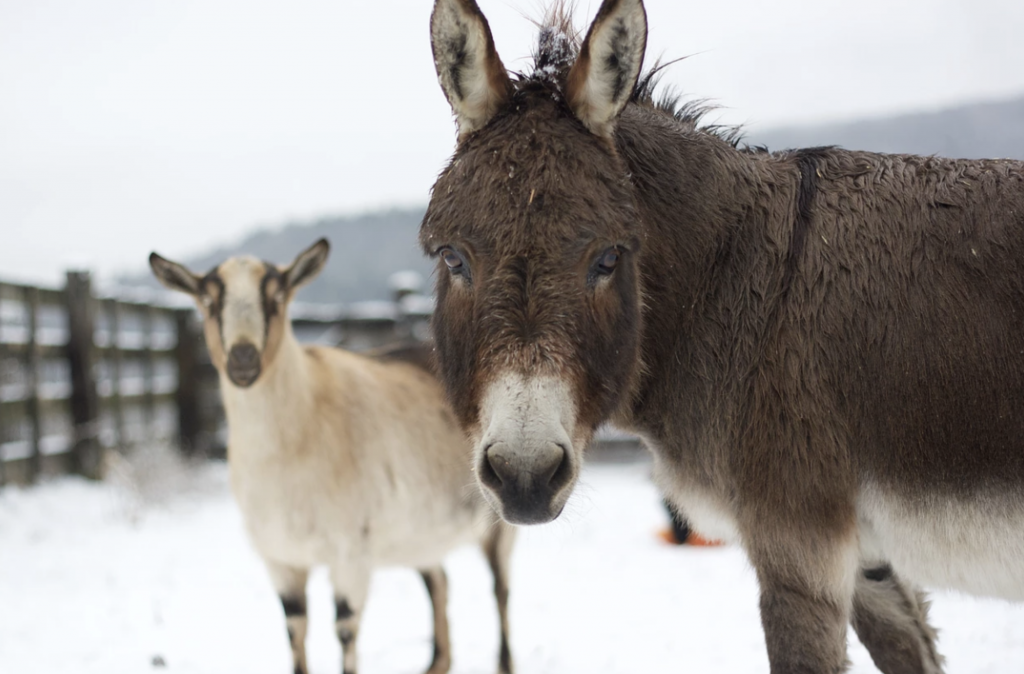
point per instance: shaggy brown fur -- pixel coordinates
(818, 345)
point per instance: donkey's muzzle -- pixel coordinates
(530, 483)
(243, 364)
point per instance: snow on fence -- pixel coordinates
(79, 373)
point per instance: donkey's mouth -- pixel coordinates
(527, 492)
(515, 513)
(526, 461)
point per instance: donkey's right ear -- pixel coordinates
(601, 82)
(471, 74)
(173, 275)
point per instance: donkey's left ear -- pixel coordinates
(307, 265)
(602, 80)
(471, 74)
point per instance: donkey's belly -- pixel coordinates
(703, 509)
(974, 545)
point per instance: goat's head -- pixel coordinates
(244, 304)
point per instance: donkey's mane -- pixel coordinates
(690, 113)
(558, 44)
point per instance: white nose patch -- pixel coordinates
(526, 413)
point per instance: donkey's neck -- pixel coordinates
(272, 414)
(705, 208)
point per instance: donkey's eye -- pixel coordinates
(451, 257)
(606, 264)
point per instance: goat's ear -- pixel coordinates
(307, 265)
(173, 275)
(602, 80)
(471, 74)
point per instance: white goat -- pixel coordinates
(339, 459)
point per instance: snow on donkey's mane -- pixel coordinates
(558, 45)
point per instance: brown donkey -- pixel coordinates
(823, 349)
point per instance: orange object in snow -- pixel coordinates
(692, 538)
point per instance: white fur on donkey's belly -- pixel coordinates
(974, 545)
(703, 510)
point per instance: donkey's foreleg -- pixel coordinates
(351, 583)
(806, 593)
(498, 550)
(891, 620)
(290, 583)
(437, 586)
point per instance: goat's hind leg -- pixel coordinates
(498, 550)
(290, 583)
(891, 620)
(437, 587)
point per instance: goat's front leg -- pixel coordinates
(351, 583)
(497, 548)
(290, 583)
(806, 584)
(437, 587)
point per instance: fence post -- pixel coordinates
(3, 377)
(190, 420)
(116, 360)
(148, 371)
(31, 299)
(81, 358)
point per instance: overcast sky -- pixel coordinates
(128, 126)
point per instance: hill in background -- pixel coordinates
(993, 129)
(367, 249)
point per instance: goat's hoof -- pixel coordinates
(439, 668)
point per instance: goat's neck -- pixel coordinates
(273, 414)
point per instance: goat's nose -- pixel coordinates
(243, 364)
(518, 470)
(244, 355)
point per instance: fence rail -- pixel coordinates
(81, 374)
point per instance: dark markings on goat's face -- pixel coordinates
(244, 304)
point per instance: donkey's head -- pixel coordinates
(535, 228)
(244, 303)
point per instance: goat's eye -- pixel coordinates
(456, 264)
(606, 264)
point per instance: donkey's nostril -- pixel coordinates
(560, 469)
(495, 464)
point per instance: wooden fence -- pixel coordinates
(79, 374)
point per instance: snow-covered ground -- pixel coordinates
(94, 579)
